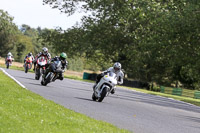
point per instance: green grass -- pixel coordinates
(24, 111)
(180, 98)
(78, 78)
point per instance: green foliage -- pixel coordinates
(156, 41)
(75, 64)
(8, 30)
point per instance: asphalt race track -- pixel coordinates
(137, 112)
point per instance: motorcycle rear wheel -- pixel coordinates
(7, 65)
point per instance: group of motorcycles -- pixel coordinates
(106, 85)
(54, 69)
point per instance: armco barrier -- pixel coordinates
(180, 92)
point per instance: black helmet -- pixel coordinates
(30, 54)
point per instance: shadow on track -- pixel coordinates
(84, 99)
(25, 77)
(37, 84)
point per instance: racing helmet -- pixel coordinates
(63, 56)
(45, 51)
(117, 66)
(9, 54)
(30, 54)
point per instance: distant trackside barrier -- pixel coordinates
(181, 92)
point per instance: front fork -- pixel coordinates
(99, 91)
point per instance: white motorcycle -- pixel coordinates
(40, 67)
(106, 85)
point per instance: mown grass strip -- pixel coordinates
(180, 98)
(24, 111)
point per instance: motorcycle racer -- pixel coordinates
(43, 53)
(9, 55)
(64, 62)
(115, 69)
(28, 55)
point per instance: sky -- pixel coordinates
(35, 14)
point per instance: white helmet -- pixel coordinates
(9, 54)
(117, 66)
(45, 50)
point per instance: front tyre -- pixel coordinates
(94, 97)
(7, 65)
(43, 83)
(26, 68)
(103, 94)
(37, 73)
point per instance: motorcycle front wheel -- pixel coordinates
(46, 81)
(7, 65)
(103, 94)
(94, 97)
(26, 68)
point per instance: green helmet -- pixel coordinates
(63, 55)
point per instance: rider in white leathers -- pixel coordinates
(9, 54)
(115, 69)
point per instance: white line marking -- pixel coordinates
(13, 78)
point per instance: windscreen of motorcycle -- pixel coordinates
(57, 63)
(42, 61)
(111, 77)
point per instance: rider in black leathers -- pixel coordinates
(64, 62)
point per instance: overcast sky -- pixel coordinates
(34, 14)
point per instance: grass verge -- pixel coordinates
(24, 111)
(180, 98)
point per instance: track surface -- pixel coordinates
(137, 112)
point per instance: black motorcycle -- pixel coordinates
(54, 71)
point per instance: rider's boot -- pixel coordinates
(112, 91)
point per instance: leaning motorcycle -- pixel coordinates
(105, 86)
(8, 62)
(54, 72)
(28, 64)
(40, 67)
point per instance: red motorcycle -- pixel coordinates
(8, 62)
(28, 64)
(40, 67)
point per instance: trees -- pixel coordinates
(8, 32)
(156, 41)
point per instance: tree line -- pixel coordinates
(156, 41)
